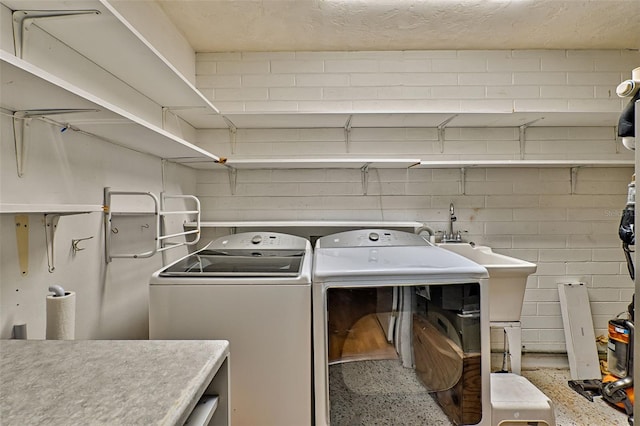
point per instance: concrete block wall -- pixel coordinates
(565, 222)
(415, 81)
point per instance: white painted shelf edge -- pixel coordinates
(351, 120)
(156, 135)
(107, 35)
(326, 163)
(306, 224)
(400, 163)
(524, 163)
(50, 208)
(173, 70)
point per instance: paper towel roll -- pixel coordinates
(61, 316)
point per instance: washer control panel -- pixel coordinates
(262, 240)
(371, 238)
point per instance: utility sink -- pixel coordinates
(507, 279)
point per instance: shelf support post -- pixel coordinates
(22, 20)
(364, 175)
(442, 129)
(347, 133)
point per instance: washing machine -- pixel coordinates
(374, 320)
(254, 290)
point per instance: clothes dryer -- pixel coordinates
(254, 290)
(387, 280)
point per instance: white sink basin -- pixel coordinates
(507, 279)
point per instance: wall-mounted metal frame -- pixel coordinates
(161, 242)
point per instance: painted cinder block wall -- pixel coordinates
(567, 225)
(72, 168)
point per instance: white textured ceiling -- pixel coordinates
(355, 25)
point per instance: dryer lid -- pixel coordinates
(399, 264)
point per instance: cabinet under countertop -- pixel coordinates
(113, 382)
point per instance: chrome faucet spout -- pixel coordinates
(452, 218)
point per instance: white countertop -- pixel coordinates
(114, 382)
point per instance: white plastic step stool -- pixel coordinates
(515, 401)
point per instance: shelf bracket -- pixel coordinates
(523, 135)
(233, 179)
(22, 20)
(233, 133)
(463, 181)
(364, 175)
(21, 126)
(442, 129)
(347, 133)
(22, 240)
(574, 179)
(50, 226)
(176, 119)
(523, 140)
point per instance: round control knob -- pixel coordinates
(374, 236)
(257, 239)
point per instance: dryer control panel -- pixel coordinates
(371, 238)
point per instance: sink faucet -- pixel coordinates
(452, 218)
(450, 236)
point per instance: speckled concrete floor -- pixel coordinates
(365, 393)
(571, 408)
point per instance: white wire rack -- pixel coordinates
(161, 242)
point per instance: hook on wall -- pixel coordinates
(75, 242)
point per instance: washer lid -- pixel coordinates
(266, 254)
(396, 263)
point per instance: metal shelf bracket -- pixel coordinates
(176, 119)
(574, 179)
(22, 239)
(463, 181)
(21, 127)
(364, 174)
(523, 140)
(523, 136)
(50, 226)
(347, 133)
(233, 179)
(23, 19)
(442, 129)
(233, 133)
